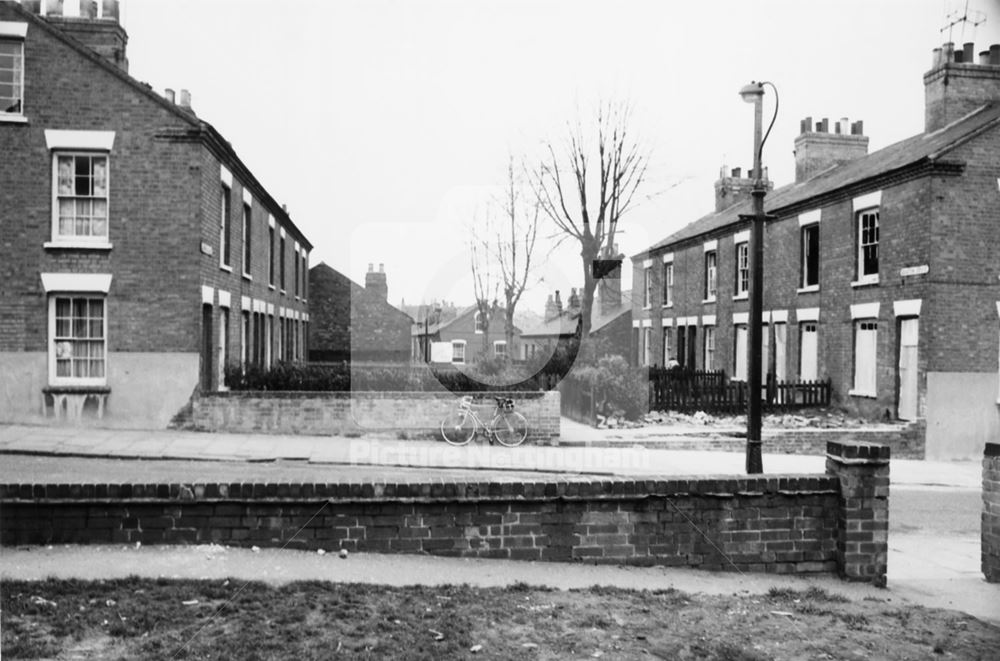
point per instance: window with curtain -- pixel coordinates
(82, 196)
(79, 342)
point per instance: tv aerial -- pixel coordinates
(964, 18)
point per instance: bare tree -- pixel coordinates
(484, 282)
(515, 245)
(586, 206)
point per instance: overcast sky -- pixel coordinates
(384, 125)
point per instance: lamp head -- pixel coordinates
(752, 93)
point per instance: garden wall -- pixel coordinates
(836, 522)
(404, 414)
(991, 513)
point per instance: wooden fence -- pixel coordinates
(688, 390)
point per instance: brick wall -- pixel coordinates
(773, 523)
(991, 513)
(407, 414)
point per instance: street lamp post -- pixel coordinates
(754, 93)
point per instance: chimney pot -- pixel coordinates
(53, 7)
(381, 267)
(169, 95)
(371, 267)
(823, 126)
(185, 99)
(109, 10)
(968, 52)
(88, 9)
(737, 172)
(935, 58)
(995, 54)
(984, 57)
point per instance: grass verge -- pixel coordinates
(183, 619)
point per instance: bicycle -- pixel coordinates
(508, 427)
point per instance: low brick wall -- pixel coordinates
(991, 513)
(403, 414)
(781, 524)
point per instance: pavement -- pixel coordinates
(928, 569)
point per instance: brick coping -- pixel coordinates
(717, 486)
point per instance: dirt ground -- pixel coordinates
(161, 619)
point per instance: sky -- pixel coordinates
(386, 126)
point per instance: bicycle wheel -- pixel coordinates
(458, 428)
(510, 428)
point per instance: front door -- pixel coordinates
(207, 344)
(692, 347)
(908, 332)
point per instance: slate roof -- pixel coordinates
(924, 148)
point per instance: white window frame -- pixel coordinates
(742, 270)
(647, 287)
(862, 277)
(457, 345)
(497, 345)
(711, 275)
(15, 33)
(647, 345)
(247, 237)
(226, 225)
(708, 343)
(54, 379)
(99, 242)
(805, 286)
(478, 326)
(668, 283)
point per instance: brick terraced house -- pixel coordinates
(140, 256)
(465, 333)
(351, 323)
(880, 269)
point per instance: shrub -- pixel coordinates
(341, 377)
(618, 389)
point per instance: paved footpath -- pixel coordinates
(929, 570)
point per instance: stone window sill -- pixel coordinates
(809, 289)
(76, 245)
(12, 118)
(859, 393)
(867, 282)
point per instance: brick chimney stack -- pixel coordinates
(91, 22)
(732, 187)
(957, 84)
(820, 148)
(609, 287)
(376, 282)
(550, 309)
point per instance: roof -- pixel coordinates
(200, 129)
(867, 172)
(433, 329)
(565, 324)
(358, 291)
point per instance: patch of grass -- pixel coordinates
(168, 619)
